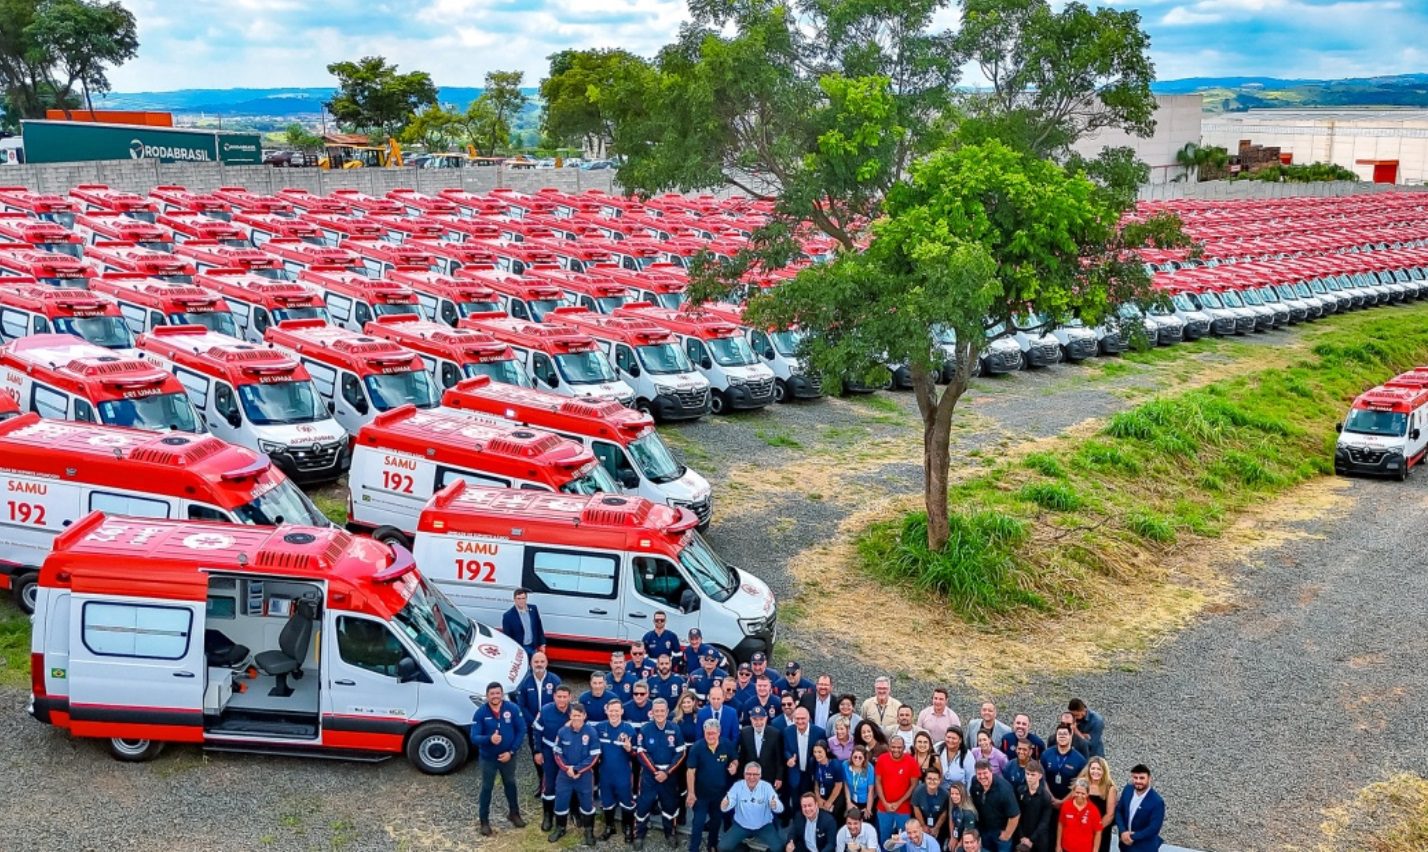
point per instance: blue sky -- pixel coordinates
(225, 43)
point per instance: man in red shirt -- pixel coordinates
(1079, 827)
(896, 774)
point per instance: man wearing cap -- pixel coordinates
(744, 676)
(795, 682)
(716, 710)
(707, 673)
(761, 744)
(760, 663)
(710, 768)
(763, 697)
(821, 703)
(661, 640)
(665, 683)
(621, 679)
(661, 750)
(522, 623)
(693, 654)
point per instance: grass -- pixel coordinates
(14, 646)
(778, 438)
(1063, 528)
(1388, 816)
(879, 402)
(332, 502)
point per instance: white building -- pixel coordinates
(1177, 122)
(1357, 139)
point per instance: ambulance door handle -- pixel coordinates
(183, 674)
(638, 615)
(598, 612)
(344, 682)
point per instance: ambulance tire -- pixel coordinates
(437, 748)
(134, 751)
(726, 659)
(1403, 472)
(392, 535)
(781, 392)
(718, 401)
(26, 588)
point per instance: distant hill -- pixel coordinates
(256, 102)
(1236, 94)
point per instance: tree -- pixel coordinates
(437, 128)
(299, 138)
(488, 118)
(1197, 159)
(48, 47)
(371, 95)
(572, 94)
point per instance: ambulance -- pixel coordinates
(128, 258)
(147, 303)
(360, 375)
(452, 354)
(43, 206)
(177, 199)
(264, 227)
(401, 229)
(258, 302)
(255, 396)
(576, 256)
(310, 203)
(41, 235)
(780, 349)
(522, 298)
(450, 256)
(624, 441)
(298, 256)
(478, 230)
(649, 359)
(97, 196)
(192, 227)
(443, 298)
(245, 200)
(48, 268)
(210, 255)
(559, 358)
(294, 640)
(59, 471)
(519, 259)
(61, 377)
(597, 567)
(419, 204)
(738, 380)
(471, 204)
(380, 257)
(26, 308)
(337, 228)
(404, 456)
(362, 204)
(353, 299)
(663, 290)
(1384, 434)
(586, 292)
(104, 226)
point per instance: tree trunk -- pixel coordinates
(88, 102)
(936, 410)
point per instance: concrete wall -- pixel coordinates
(142, 175)
(1177, 121)
(1333, 136)
(1216, 189)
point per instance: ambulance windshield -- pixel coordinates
(283, 504)
(158, 412)
(664, 359)
(109, 332)
(1365, 422)
(707, 570)
(219, 321)
(389, 309)
(434, 623)
(278, 403)
(302, 312)
(390, 390)
(731, 351)
(585, 368)
(469, 308)
(541, 307)
(72, 249)
(654, 459)
(505, 372)
(597, 480)
(668, 301)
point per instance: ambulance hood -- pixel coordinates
(750, 373)
(1372, 442)
(616, 390)
(752, 600)
(492, 656)
(689, 488)
(301, 434)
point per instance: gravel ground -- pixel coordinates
(1237, 680)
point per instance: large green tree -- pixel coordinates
(573, 92)
(436, 127)
(372, 96)
(49, 48)
(488, 119)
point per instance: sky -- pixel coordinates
(274, 43)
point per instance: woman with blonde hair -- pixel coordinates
(1101, 790)
(840, 741)
(961, 813)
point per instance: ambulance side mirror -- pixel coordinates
(706, 363)
(1338, 427)
(1414, 434)
(408, 671)
(769, 354)
(331, 407)
(630, 479)
(361, 406)
(634, 371)
(234, 419)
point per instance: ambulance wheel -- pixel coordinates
(718, 402)
(726, 659)
(437, 748)
(781, 394)
(134, 751)
(391, 536)
(1403, 472)
(26, 589)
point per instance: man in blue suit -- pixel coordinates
(522, 623)
(798, 740)
(1140, 813)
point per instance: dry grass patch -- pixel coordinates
(1390, 816)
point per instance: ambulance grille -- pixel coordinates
(526, 444)
(190, 451)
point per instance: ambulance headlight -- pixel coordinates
(754, 626)
(270, 447)
(737, 381)
(665, 390)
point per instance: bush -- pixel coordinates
(1052, 496)
(1151, 526)
(1045, 464)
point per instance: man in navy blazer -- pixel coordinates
(798, 740)
(522, 623)
(1140, 813)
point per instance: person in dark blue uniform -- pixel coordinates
(637, 709)
(536, 690)
(795, 682)
(665, 683)
(576, 750)
(497, 730)
(760, 664)
(661, 751)
(595, 698)
(548, 722)
(617, 770)
(621, 679)
(641, 661)
(706, 674)
(661, 640)
(744, 677)
(693, 654)
(710, 767)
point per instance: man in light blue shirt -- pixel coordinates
(912, 838)
(753, 802)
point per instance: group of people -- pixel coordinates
(788, 762)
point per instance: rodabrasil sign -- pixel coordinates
(76, 141)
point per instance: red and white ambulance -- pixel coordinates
(453, 256)
(177, 199)
(97, 196)
(310, 203)
(380, 257)
(451, 354)
(404, 456)
(43, 206)
(522, 298)
(558, 358)
(471, 204)
(443, 298)
(297, 256)
(360, 375)
(649, 359)
(400, 229)
(56, 472)
(353, 299)
(209, 255)
(147, 303)
(245, 200)
(263, 227)
(625, 441)
(61, 377)
(719, 350)
(663, 289)
(598, 567)
(420, 204)
(480, 230)
(192, 227)
(39, 234)
(255, 396)
(103, 226)
(48, 268)
(1385, 432)
(295, 640)
(258, 302)
(27, 308)
(129, 258)
(336, 228)
(362, 204)
(587, 292)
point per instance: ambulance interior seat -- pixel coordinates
(293, 644)
(223, 652)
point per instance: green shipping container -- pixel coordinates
(75, 141)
